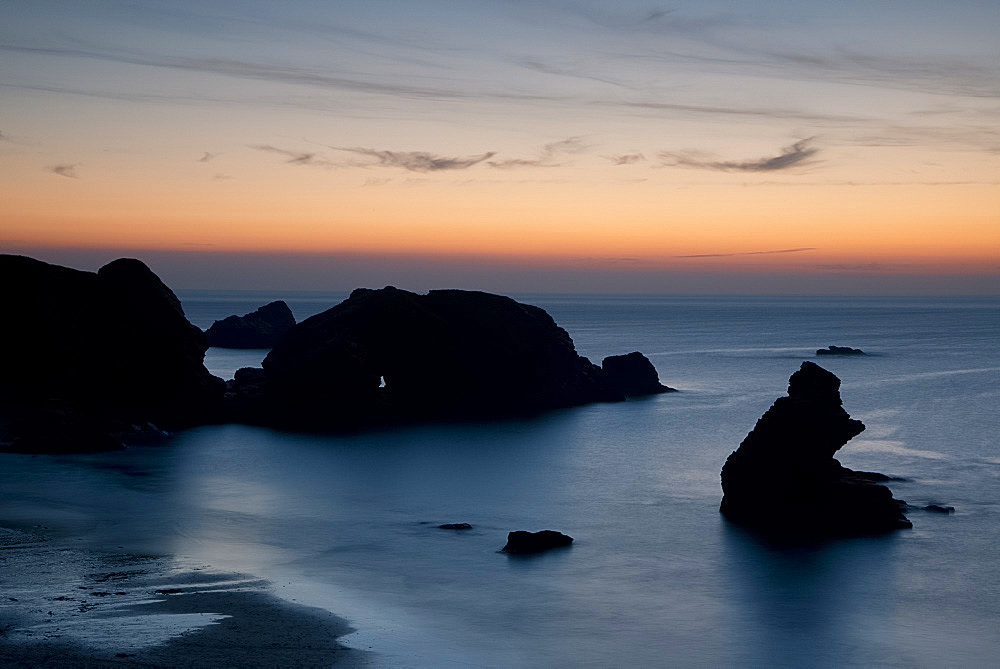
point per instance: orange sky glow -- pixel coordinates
(614, 143)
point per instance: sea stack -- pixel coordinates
(783, 478)
(391, 355)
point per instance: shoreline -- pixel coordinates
(66, 606)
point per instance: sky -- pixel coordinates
(719, 146)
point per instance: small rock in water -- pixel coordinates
(633, 375)
(840, 350)
(455, 526)
(938, 508)
(522, 542)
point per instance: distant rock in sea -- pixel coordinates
(455, 526)
(938, 508)
(259, 329)
(633, 375)
(90, 356)
(840, 350)
(391, 355)
(784, 479)
(522, 542)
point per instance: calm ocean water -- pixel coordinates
(655, 577)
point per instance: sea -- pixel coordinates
(655, 576)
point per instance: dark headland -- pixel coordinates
(258, 329)
(95, 359)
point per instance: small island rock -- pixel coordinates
(783, 477)
(633, 375)
(522, 542)
(390, 355)
(259, 329)
(840, 350)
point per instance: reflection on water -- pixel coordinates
(655, 576)
(350, 524)
(829, 604)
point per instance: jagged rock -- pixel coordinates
(840, 350)
(86, 349)
(259, 329)
(633, 375)
(522, 542)
(389, 354)
(784, 478)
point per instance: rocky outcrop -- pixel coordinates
(89, 355)
(633, 375)
(839, 350)
(259, 329)
(522, 542)
(392, 355)
(783, 477)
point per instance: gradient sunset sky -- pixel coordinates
(688, 147)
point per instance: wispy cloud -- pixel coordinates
(797, 154)
(207, 157)
(627, 159)
(748, 253)
(417, 161)
(546, 157)
(3, 137)
(295, 157)
(68, 171)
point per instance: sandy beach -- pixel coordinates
(63, 606)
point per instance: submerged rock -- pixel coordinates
(840, 350)
(522, 542)
(455, 526)
(633, 375)
(259, 329)
(938, 508)
(88, 354)
(388, 355)
(784, 478)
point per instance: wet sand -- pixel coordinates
(62, 606)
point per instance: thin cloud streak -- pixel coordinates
(294, 157)
(546, 157)
(417, 161)
(748, 253)
(627, 159)
(795, 155)
(68, 171)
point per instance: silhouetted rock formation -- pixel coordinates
(258, 329)
(632, 375)
(784, 477)
(521, 542)
(446, 354)
(938, 508)
(840, 350)
(89, 354)
(455, 526)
